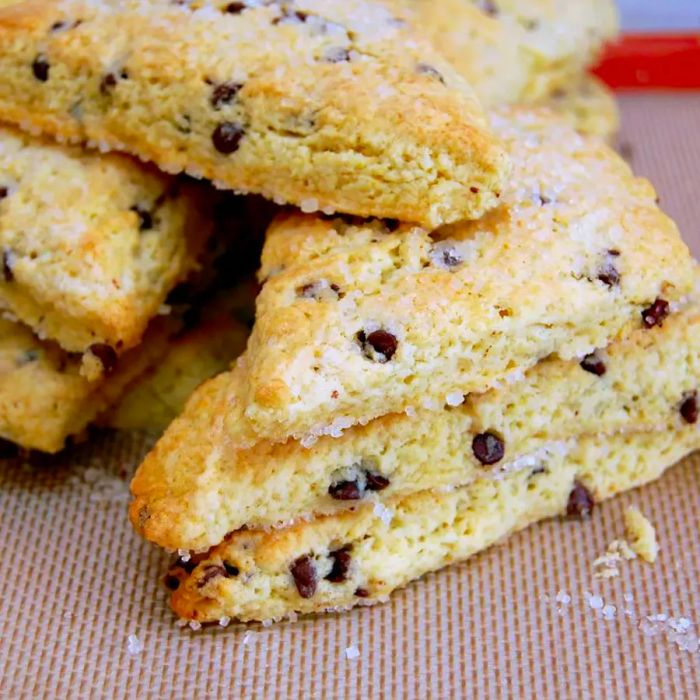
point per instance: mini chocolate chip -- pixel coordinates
(362, 593)
(474, 190)
(609, 275)
(376, 482)
(290, 15)
(234, 8)
(381, 341)
(231, 570)
(105, 354)
(341, 565)
(656, 313)
(145, 218)
(544, 199)
(3, 192)
(391, 225)
(593, 364)
(488, 448)
(107, 83)
(7, 274)
(224, 93)
(40, 68)
(57, 26)
(689, 408)
(580, 502)
(615, 253)
(345, 491)
(211, 572)
(426, 69)
(336, 54)
(227, 136)
(172, 582)
(303, 571)
(189, 566)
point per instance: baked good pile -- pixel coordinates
(469, 314)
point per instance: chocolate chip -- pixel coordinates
(172, 582)
(689, 408)
(40, 68)
(426, 69)
(290, 15)
(362, 593)
(580, 502)
(319, 290)
(474, 190)
(145, 218)
(231, 570)
(189, 566)
(107, 83)
(391, 225)
(57, 26)
(227, 136)
(211, 572)
(609, 274)
(376, 482)
(224, 93)
(336, 54)
(379, 345)
(593, 364)
(346, 491)
(234, 8)
(341, 565)
(656, 313)
(105, 354)
(488, 448)
(3, 192)
(7, 274)
(304, 573)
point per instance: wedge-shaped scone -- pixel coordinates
(157, 397)
(588, 105)
(327, 104)
(91, 245)
(192, 499)
(514, 51)
(44, 399)
(356, 320)
(359, 558)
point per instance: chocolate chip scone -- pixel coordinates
(588, 105)
(334, 105)
(357, 319)
(91, 245)
(198, 484)
(45, 399)
(359, 558)
(513, 51)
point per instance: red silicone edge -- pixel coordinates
(647, 61)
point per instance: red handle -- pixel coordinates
(653, 61)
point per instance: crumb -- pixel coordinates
(352, 653)
(606, 566)
(641, 534)
(134, 645)
(224, 621)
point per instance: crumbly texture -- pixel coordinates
(327, 104)
(91, 245)
(356, 319)
(641, 535)
(359, 558)
(198, 484)
(44, 399)
(588, 105)
(514, 51)
(158, 397)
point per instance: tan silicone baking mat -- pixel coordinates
(83, 612)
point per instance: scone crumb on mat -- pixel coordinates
(352, 653)
(134, 645)
(606, 566)
(641, 535)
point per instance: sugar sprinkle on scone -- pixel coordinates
(333, 105)
(357, 319)
(91, 245)
(513, 51)
(358, 558)
(490, 434)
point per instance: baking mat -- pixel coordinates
(83, 612)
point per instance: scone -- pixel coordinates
(514, 51)
(357, 319)
(91, 245)
(649, 381)
(44, 399)
(359, 558)
(335, 105)
(588, 105)
(157, 397)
